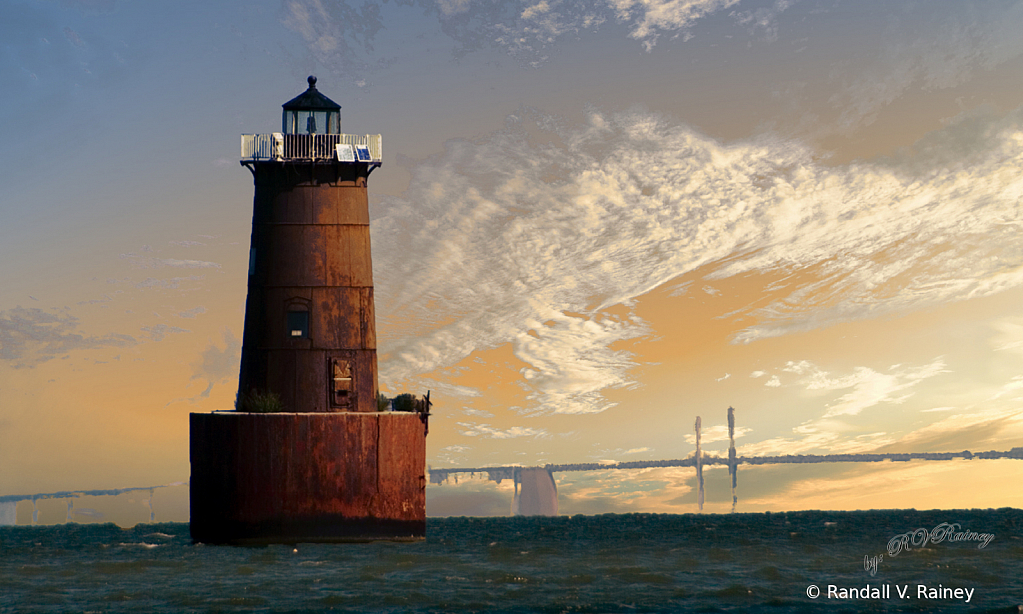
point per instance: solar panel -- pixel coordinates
(363, 153)
(344, 153)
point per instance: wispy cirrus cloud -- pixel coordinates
(218, 364)
(146, 260)
(836, 431)
(714, 434)
(648, 19)
(503, 241)
(866, 386)
(170, 283)
(470, 429)
(30, 336)
(159, 331)
(186, 264)
(930, 50)
(341, 35)
(192, 313)
(976, 431)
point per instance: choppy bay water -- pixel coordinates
(606, 563)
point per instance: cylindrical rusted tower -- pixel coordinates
(310, 333)
(307, 456)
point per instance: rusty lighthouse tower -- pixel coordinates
(309, 454)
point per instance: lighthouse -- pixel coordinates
(309, 453)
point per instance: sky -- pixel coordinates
(595, 221)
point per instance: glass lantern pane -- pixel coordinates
(290, 122)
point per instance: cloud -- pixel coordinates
(454, 390)
(788, 445)
(188, 264)
(530, 29)
(452, 455)
(171, 283)
(338, 35)
(468, 411)
(649, 18)
(1009, 335)
(218, 364)
(975, 431)
(341, 37)
(503, 241)
(32, 336)
(489, 432)
(681, 289)
(764, 18)
(148, 262)
(570, 361)
(869, 387)
(158, 332)
(1010, 387)
(865, 388)
(636, 450)
(715, 434)
(931, 50)
(192, 313)
(608, 456)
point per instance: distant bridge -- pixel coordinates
(9, 503)
(497, 474)
(536, 492)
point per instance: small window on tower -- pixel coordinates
(298, 324)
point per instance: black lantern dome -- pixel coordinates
(311, 113)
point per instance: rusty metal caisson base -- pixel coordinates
(311, 477)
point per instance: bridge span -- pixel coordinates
(8, 503)
(530, 487)
(536, 491)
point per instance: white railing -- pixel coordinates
(278, 146)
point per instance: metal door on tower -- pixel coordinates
(341, 382)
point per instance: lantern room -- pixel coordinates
(311, 113)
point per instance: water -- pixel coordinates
(606, 563)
